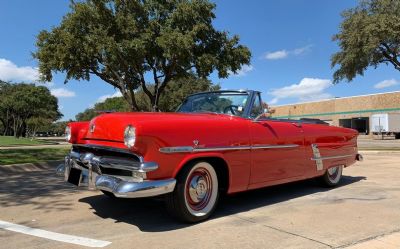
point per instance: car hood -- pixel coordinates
(111, 126)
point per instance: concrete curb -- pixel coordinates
(29, 167)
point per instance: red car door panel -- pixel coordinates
(277, 151)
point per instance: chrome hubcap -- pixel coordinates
(198, 189)
(332, 171)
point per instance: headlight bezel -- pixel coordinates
(130, 136)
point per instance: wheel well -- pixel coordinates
(220, 167)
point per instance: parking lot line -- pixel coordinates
(53, 236)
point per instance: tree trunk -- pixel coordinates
(129, 96)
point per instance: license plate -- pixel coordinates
(74, 176)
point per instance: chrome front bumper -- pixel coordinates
(84, 169)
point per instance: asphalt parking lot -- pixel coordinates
(363, 212)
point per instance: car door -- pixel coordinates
(277, 149)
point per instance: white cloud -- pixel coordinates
(46, 84)
(302, 50)
(11, 72)
(62, 93)
(386, 83)
(282, 54)
(243, 71)
(104, 97)
(307, 89)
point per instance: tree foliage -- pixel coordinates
(57, 128)
(24, 107)
(369, 35)
(175, 92)
(139, 45)
(116, 104)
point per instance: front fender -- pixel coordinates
(237, 163)
(196, 156)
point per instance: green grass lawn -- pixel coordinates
(6, 141)
(14, 156)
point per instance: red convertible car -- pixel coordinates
(216, 143)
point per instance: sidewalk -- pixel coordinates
(390, 241)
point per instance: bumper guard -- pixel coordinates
(90, 176)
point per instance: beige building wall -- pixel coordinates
(333, 110)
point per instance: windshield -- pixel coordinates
(216, 102)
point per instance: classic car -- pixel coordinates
(219, 142)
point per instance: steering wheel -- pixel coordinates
(231, 108)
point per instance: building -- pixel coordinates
(352, 112)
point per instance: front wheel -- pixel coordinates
(332, 176)
(196, 193)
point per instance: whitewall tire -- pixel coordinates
(196, 193)
(332, 176)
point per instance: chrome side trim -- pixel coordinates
(181, 149)
(317, 157)
(190, 149)
(206, 149)
(283, 146)
(331, 157)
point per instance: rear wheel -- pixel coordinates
(332, 176)
(196, 193)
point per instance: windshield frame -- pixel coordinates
(247, 108)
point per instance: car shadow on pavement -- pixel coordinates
(150, 215)
(27, 188)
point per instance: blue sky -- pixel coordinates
(290, 41)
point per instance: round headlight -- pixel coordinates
(129, 136)
(68, 133)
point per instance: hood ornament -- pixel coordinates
(91, 128)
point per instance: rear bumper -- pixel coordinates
(121, 186)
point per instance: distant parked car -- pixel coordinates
(216, 143)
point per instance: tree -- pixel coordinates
(35, 124)
(57, 127)
(139, 45)
(175, 92)
(22, 102)
(116, 104)
(369, 35)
